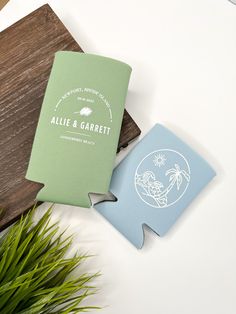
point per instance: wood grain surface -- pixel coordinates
(27, 50)
(3, 3)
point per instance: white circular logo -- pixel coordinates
(162, 178)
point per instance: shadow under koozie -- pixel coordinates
(78, 131)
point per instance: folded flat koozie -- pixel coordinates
(78, 131)
(154, 184)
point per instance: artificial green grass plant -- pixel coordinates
(35, 276)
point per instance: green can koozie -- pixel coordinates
(78, 131)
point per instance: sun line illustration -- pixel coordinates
(159, 160)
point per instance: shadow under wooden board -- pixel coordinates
(27, 50)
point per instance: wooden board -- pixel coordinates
(3, 3)
(27, 50)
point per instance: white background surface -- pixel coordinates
(183, 55)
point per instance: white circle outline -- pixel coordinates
(156, 151)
